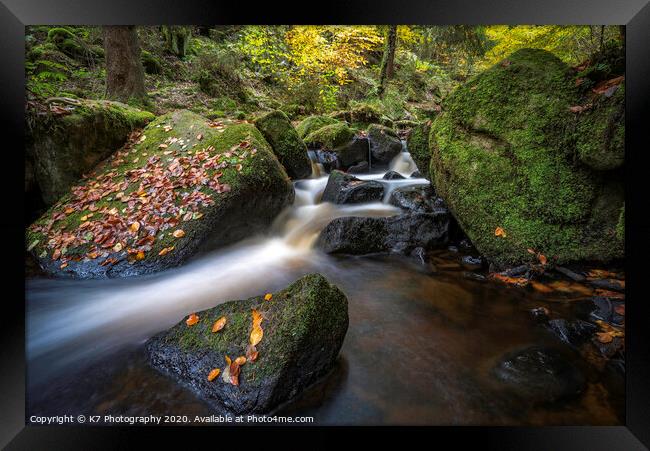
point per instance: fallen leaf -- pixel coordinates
(541, 287)
(63, 265)
(199, 137)
(620, 309)
(257, 333)
(213, 374)
(117, 247)
(251, 353)
(219, 324)
(192, 319)
(516, 281)
(268, 296)
(180, 233)
(240, 360)
(134, 227)
(166, 250)
(139, 256)
(542, 258)
(500, 232)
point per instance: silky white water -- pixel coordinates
(70, 321)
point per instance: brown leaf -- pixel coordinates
(179, 233)
(251, 353)
(257, 333)
(541, 287)
(604, 337)
(620, 309)
(165, 250)
(542, 258)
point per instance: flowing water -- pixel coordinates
(418, 349)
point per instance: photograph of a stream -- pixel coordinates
(355, 225)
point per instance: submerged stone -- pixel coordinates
(303, 330)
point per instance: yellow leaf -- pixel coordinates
(180, 233)
(134, 227)
(240, 360)
(213, 374)
(166, 250)
(268, 296)
(219, 324)
(139, 256)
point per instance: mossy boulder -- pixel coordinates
(150, 62)
(342, 141)
(286, 144)
(215, 185)
(303, 329)
(418, 146)
(505, 153)
(313, 123)
(384, 143)
(63, 147)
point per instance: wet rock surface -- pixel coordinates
(304, 326)
(392, 175)
(539, 374)
(346, 189)
(384, 143)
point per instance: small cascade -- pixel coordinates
(369, 157)
(317, 169)
(403, 163)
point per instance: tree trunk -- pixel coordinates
(388, 59)
(124, 73)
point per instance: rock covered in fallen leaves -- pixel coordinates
(508, 152)
(286, 144)
(161, 198)
(303, 329)
(67, 139)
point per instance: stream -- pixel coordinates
(419, 347)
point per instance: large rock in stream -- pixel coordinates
(303, 329)
(286, 144)
(63, 146)
(384, 143)
(341, 140)
(521, 147)
(343, 188)
(182, 187)
(424, 223)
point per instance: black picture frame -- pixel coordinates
(635, 14)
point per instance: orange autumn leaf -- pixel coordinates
(564, 286)
(166, 250)
(541, 287)
(213, 374)
(500, 232)
(257, 333)
(240, 360)
(139, 255)
(180, 233)
(234, 373)
(192, 319)
(609, 294)
(542, 258)
(134, 227)
(620, 309)
(268, 296)
(219, 324)
(517, 281)
(251, 353)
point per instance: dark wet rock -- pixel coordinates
(609, 350)
(453, 249)
(604, 309)
(399, 234)
(384, 143)
(471, 262)
(516, 271)
(474, 276)
(465, 244)
(539, 374)
(540, 314)
(570, 274)
(304, 327)
(343, 188)
(392, 175)
(359, 168)
(328, 159)
(416, 175)
(573, 332)
(608, 284)
(354, 151)
(418, 198)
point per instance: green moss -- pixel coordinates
(502, 157)
(286, 144)
(331, 136)
(150, 63)
(298, 319)
(313, 123)
(620, 225)
(418, 147)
